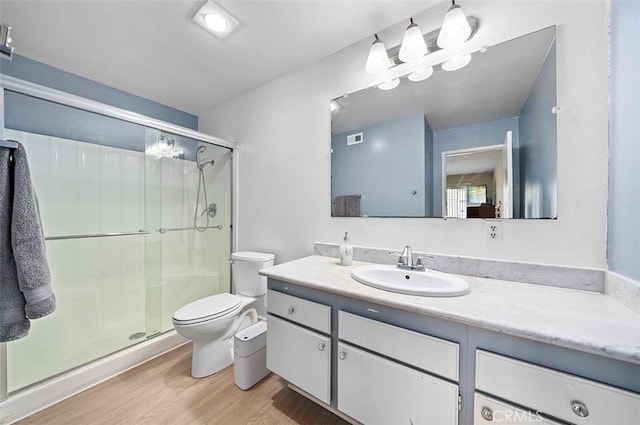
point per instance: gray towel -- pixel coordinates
(347, 206)
(25, 289)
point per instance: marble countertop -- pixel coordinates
(580, 320)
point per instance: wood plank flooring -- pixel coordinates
(162, 391)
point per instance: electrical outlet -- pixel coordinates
(493, 231)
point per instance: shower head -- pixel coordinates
(200, 164)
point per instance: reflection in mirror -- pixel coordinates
(472, 143)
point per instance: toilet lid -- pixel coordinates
(207, 308)
(252, 256)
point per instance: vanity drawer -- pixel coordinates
(422, 351)
(307, 313)
(487, 410)
(555, 393)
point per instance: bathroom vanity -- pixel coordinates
(507, 352)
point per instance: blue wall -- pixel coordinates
(428, 170)
(624, 140)
(25, 113)
(39, 73)
(384, 169)
(538, 146)
(473, 136)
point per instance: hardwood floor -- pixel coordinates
(162, 391)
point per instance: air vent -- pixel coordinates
(354, 139)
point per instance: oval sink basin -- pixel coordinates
(428, 283)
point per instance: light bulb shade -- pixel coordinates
(413, 46)
(378, 60)
(455, 28)
(456, 62)
(389, 85)
(421, 74)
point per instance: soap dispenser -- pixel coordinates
(346, 251)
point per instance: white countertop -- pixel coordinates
(579, 320)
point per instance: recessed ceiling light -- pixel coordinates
(215, 22)
(215, 19)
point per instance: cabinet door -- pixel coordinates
(300, 356)
(488, 410)
(373, 390)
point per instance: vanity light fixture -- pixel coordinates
(455, 27)
(215, 19)
(413, 46)
(421, 74)
(410, 59)
(389, 84)
(378, 60)
(456, 62)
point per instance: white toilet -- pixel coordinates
(211, 322)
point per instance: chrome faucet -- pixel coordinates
(405, 261)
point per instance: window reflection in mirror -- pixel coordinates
(479, 142)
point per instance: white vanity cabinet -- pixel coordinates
(383, 379)
(569, 398)
(299, 348)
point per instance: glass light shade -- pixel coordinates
(455, 28)
(389, 85)
(413, 46)
(456, 62)
(215, 22)
(378, 60)
(421, 74)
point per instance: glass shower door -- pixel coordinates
(118, 202)
(195, 226)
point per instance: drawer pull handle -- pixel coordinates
(579, 408)
(342, 355)
(487, 414)
(321, 346)
(291, 310)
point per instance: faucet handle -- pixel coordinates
(399, 255)
(420, 261)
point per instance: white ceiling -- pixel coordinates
(474, 162)
(154, 50)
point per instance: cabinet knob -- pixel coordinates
(291, 310)
(579, 408)
(321, 346)
(342, 355)
(487, 414)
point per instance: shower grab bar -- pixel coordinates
(95, 235)
(164, 230)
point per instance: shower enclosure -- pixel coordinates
(137, 221)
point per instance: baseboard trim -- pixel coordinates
(41, 396)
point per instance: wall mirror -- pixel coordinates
(478, 142)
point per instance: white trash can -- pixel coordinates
(250, 355)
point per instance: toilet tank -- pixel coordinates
(245, 267)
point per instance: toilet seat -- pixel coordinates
(207, 309)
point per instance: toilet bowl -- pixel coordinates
(211, 322)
